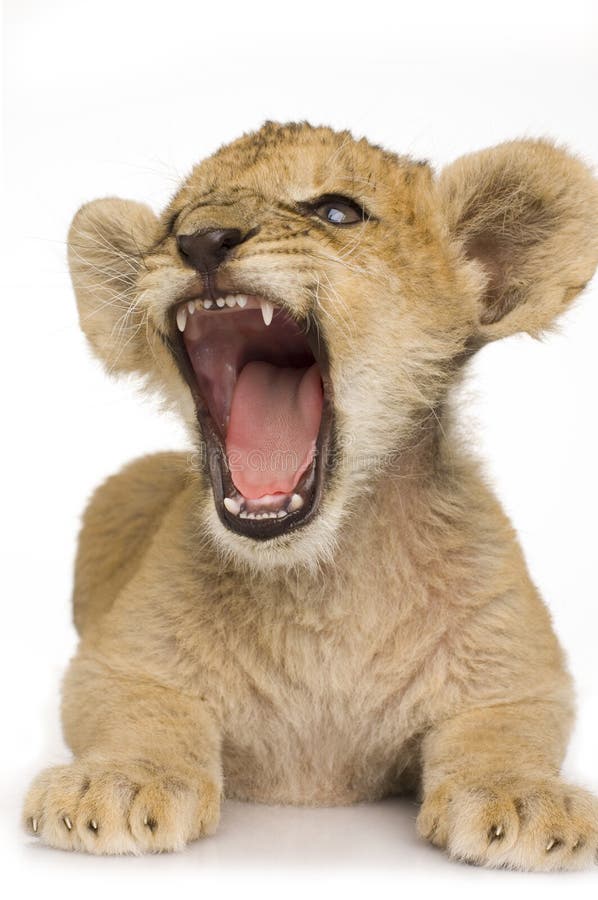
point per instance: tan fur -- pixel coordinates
(396, 640)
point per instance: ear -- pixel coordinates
(106, 245)
(527, 213)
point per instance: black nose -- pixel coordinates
(206, 250)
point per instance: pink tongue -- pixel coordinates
(274, 422)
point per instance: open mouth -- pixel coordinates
(262, 392)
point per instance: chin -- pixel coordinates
(308, 548)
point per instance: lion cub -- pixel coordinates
(324, 603)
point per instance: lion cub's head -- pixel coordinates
(307, 299)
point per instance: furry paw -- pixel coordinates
(531, 824)
(131, 806)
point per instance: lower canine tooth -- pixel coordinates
(267, 311)
(296, 503)
(181, 317)
(232, 505)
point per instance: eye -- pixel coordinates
(338, 210)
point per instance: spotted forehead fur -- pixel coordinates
(291, 163)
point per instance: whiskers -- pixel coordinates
(332, 295)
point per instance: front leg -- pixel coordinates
(146, 774)
(492, 794)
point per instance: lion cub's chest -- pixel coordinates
(316, 717)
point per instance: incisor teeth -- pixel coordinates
(181, 317)
(264, 514)
(230, 301)
(296, 503)
(233, 506)
(267, 311)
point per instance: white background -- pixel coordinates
(122, 98)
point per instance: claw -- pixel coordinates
(552, 843)
(93, 825)
(34, 825)
(68, 823)
(496, 833)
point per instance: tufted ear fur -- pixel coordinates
(527, 212)
(106, 243)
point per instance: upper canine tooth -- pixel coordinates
(230, 302)
(181, 317)
(267, 311)
(220, 302)
(208, 304)
(191, 307)
(233, 506)
(242, 300)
